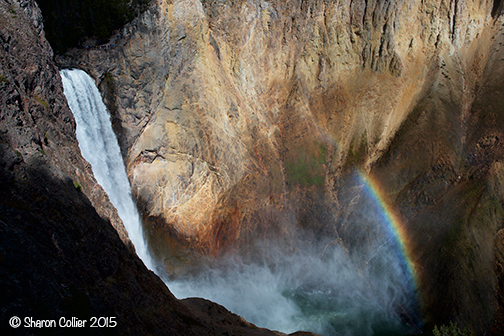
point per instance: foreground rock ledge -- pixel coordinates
(60, 255)
(244, 120)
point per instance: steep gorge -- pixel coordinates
(64, 252)
(245, 120)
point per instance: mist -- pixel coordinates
(320, 285)
(353, 284)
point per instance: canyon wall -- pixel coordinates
(245, 120)
(64, 252)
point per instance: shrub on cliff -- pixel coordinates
(451, 330)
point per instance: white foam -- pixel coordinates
(99, 146)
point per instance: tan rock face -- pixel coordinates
(242, 120)
(60, 257)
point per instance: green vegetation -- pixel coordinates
(41, 101)
(357, 155)
(451, 330)
(3, 80)
(109, 81)
(110, 92)
(322, 153)
(12, 11)
(308, 168)
(68, 22)
(77, 186)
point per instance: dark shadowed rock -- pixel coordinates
(63, 250)
(243, 120)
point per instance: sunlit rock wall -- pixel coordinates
(243, 120)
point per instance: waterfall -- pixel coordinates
(99, 146)
(321, 287)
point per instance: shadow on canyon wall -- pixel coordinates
(64, 252)
(246, 119)
(59, 258)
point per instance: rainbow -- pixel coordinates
(395, 227)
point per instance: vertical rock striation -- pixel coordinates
(243, 120)
(61, 254)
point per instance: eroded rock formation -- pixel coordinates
(61, 254)
(244, 119)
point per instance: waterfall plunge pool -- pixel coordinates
(326, 293)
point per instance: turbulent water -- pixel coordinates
(357, 285)
(99, 146)
(321, 287)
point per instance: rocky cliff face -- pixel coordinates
(244, 120)
(61, 254)
(37, 127)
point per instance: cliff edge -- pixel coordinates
(246, 120)
(61, 253)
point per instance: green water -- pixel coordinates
(329, 313)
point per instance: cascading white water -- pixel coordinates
(99, 146)
(325, 291)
